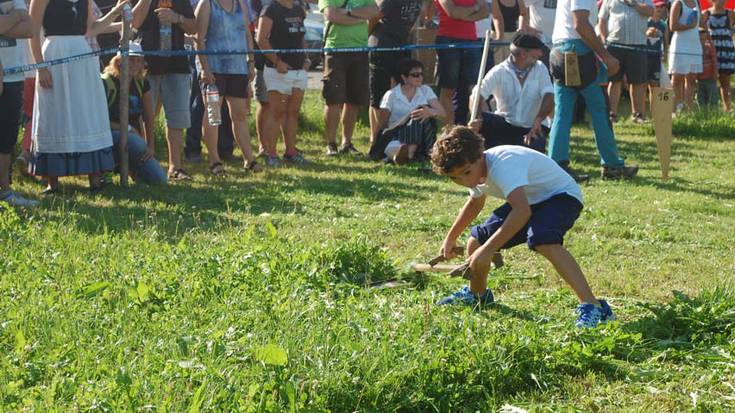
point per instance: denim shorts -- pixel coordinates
(549, 221)
(173, 89)
(455, 64)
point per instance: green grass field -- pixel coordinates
(263, 293)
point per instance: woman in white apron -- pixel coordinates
(71, 129)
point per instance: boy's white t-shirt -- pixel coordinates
(510, 167)
(564, 22)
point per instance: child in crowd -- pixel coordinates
(707, 93)
(720, 22)
(542, 204)
(655, 34)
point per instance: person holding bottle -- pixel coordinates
(161, 25)
(223, 25)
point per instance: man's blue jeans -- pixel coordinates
(149, 171)
(565, 97)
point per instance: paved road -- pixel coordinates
(315, 80)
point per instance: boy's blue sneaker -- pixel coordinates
(467, 297)
(590, 315)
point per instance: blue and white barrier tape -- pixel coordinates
(169, 53)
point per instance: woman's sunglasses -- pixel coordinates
(415, 74)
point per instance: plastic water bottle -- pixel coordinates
(165, 36)
(214, 115)
(127, 13)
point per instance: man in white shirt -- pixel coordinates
(574, 34)
(524, 96)
(623, 25)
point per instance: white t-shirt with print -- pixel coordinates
(10, 54)
(564, 22)
(542, 14)
(399, 106)
(510, 167)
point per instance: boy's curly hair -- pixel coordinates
(457, 146)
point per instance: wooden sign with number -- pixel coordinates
(663, 105)
(572, 76)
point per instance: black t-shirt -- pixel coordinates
(287, 32)
(135, 101)
(394, 27)
(149, 37)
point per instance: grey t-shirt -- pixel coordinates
(624, 24)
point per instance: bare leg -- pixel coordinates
(239, 115)
(210, 136)
(569, 270)
(650, 97)
(689, 86)
(373, 124)
(725, 91)
(175, 138)
(291, 125)
(613, 90)
(53, 182)
(481, 284)
(677, 81)
(331, 122)
(349, 118)
(638, 98)
(445, 98)
(261, 117)
(276, 110)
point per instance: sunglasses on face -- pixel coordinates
(415, 74)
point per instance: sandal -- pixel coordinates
(51, 190)
(179, 175)
(217, 169)
(253, 166)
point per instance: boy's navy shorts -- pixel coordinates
(549, 221)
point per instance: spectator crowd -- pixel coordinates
(551, 58)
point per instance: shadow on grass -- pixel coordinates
(213, 203)
(678, 184)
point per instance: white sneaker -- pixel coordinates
(13, 199)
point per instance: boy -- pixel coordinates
(708, 95)
(655, 33)
(542, 204)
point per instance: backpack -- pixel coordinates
(111, 88)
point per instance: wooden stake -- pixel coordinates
(663, 105)
(483, 64)
(124, 94)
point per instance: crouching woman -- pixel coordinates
(143, 167)
(407, 117)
